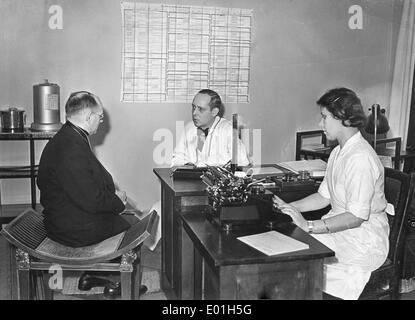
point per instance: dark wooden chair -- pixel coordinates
(320, 150)
(408, 159)
(36, 252)
(384, 282)
(394, 153)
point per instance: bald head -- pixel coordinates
(85, 110)
(81, 101)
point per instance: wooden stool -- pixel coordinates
(35, 251)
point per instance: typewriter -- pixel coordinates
(188, 172)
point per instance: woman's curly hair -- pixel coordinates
(344, 105)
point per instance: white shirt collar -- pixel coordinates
(356, 138)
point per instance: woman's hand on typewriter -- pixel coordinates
(277, 202)
(291, 211)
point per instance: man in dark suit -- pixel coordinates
(81, 205)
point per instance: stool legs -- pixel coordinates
(23, 275)
(129, 267)
(127, 290)
(136, 277)
(128, 275)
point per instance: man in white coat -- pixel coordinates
(208, 139)
(205, 141)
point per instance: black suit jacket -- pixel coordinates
(77, 193)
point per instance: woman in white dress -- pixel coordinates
(356, 228)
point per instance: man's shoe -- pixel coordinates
(87, 282)
(113, 290)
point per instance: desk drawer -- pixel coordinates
(190, 203)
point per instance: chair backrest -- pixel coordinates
(300, 135)
(399, 188)
(382, 150)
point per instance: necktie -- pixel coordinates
(201, 137)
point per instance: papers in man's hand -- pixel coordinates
(316, 167)
(390, 209)
(273, 242)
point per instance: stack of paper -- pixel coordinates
(316, 167)
(259, 172)
(315, 147)
(273, 242)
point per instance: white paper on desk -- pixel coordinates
(316, 167)
(273, 242)
(267, 171)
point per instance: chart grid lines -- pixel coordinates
(172, 51)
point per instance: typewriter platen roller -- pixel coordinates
(188, 172)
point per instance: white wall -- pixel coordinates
(300, 49)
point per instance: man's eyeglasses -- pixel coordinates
(100, 115)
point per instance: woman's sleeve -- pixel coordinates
(323, 190)
(360, 178)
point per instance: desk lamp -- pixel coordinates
(377, 123)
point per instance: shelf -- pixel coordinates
(27, 134)
(16, 172)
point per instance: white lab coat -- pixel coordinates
(217, 149)
(354, 183)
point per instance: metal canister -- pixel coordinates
(46, 107)
(12, 120)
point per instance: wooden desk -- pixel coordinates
(407, 156)
(29, 171)
(219, 266)
(177, 198)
